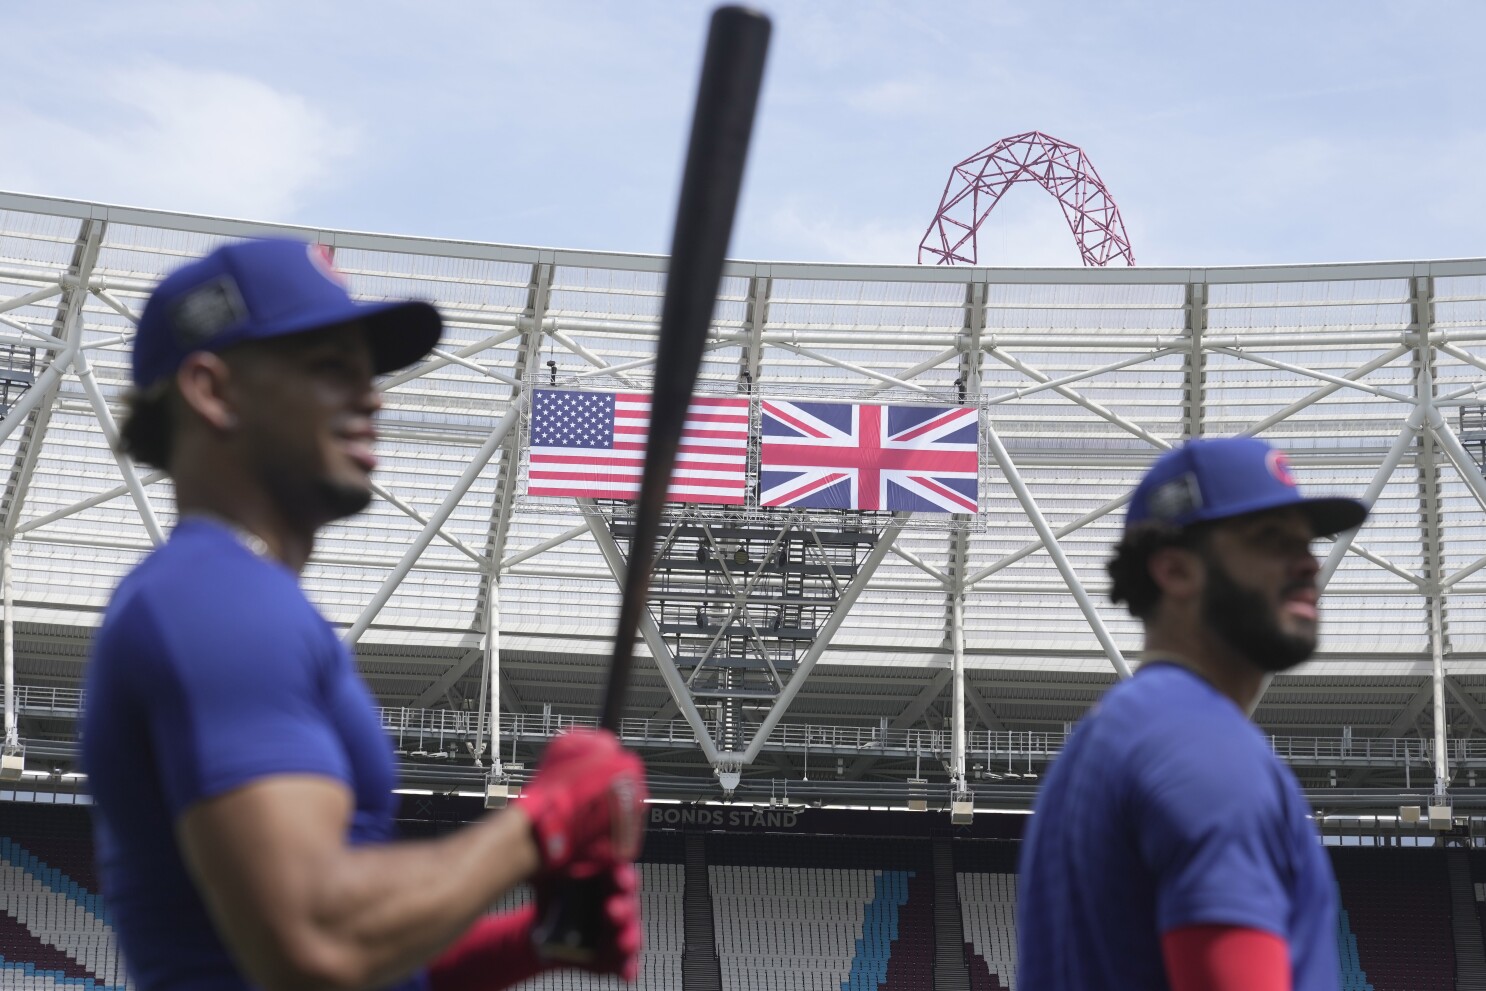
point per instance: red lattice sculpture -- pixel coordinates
(977, 184)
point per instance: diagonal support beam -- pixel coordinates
(871, 373)
(660, 652)
(1312, 398)
(1405, 720)
(823, 637)
(530, 552)
(434, 364)
(445, 681)
(1340, 381)
(1037, 545)
(1055, 550)
(1114, 366)
(910, 714)
(438, 519)
(927, 364)
(1401, 444)
(988, 717)
(421, 520)
(149, 478)
(1098, 409)
(1469, 704)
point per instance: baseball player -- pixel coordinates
(242, 780)
(1169, 847)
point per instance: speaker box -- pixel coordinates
(918, 794)
(961, 813)
(1440, 817)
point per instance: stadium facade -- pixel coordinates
(838, 654)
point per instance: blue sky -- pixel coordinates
(1232, 132)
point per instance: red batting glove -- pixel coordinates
(494, 953)
(586, 804)
(621, 935)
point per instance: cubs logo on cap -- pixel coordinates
(1216, 478)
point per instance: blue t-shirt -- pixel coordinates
(212, 670)
(1167, 809)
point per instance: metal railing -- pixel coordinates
(415, 730)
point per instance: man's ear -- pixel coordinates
(1178, 572)
(205, 384)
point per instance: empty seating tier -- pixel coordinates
(985, 871)
(1397, 904)
(822, 913)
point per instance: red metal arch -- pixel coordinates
(977, 184)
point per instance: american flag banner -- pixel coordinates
(861, 456)
(591, 445)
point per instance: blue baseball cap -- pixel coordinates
(255, 290)
(1216, 478)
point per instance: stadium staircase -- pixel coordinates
(700, 968)
(950, 972)
(1470, 955)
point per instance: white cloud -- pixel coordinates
(820, 238)
(175, 138)
(893, 97)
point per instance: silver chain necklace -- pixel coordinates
(250, 540)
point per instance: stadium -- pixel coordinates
(816, 685)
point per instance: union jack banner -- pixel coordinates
(861, 456)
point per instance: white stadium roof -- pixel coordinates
(1368, 374)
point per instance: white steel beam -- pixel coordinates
(872, 373)
(111, 435)
(1340, 381)
(447, 680)
(920, 564)
(988, 718)
(527, 553)
(910, 714)
(34, 338)
(928, 364)
(823, 638)
(659, 651)
(147, 479)
(115, 304)
(1098, 409)
(1037, 545)
(1401, 445)
(588, 356)
(438, 519)
(35, 296)
(1367, 368)
(1055, 551)
(1467, 702)
(1114, 366)
(421, 520)
(34, 409)
(434, 364)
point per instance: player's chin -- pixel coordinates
(345, 493)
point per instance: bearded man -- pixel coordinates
(1169, 848)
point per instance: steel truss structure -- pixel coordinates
(461, 594)
(977, 184)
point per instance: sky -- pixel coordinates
(1228, 132)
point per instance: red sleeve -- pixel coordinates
(1225, 958)
(494, 953)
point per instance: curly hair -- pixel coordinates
(148, 432)
(1129, 569)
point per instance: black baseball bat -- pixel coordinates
(732, 72)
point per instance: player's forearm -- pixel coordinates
(383, 911)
